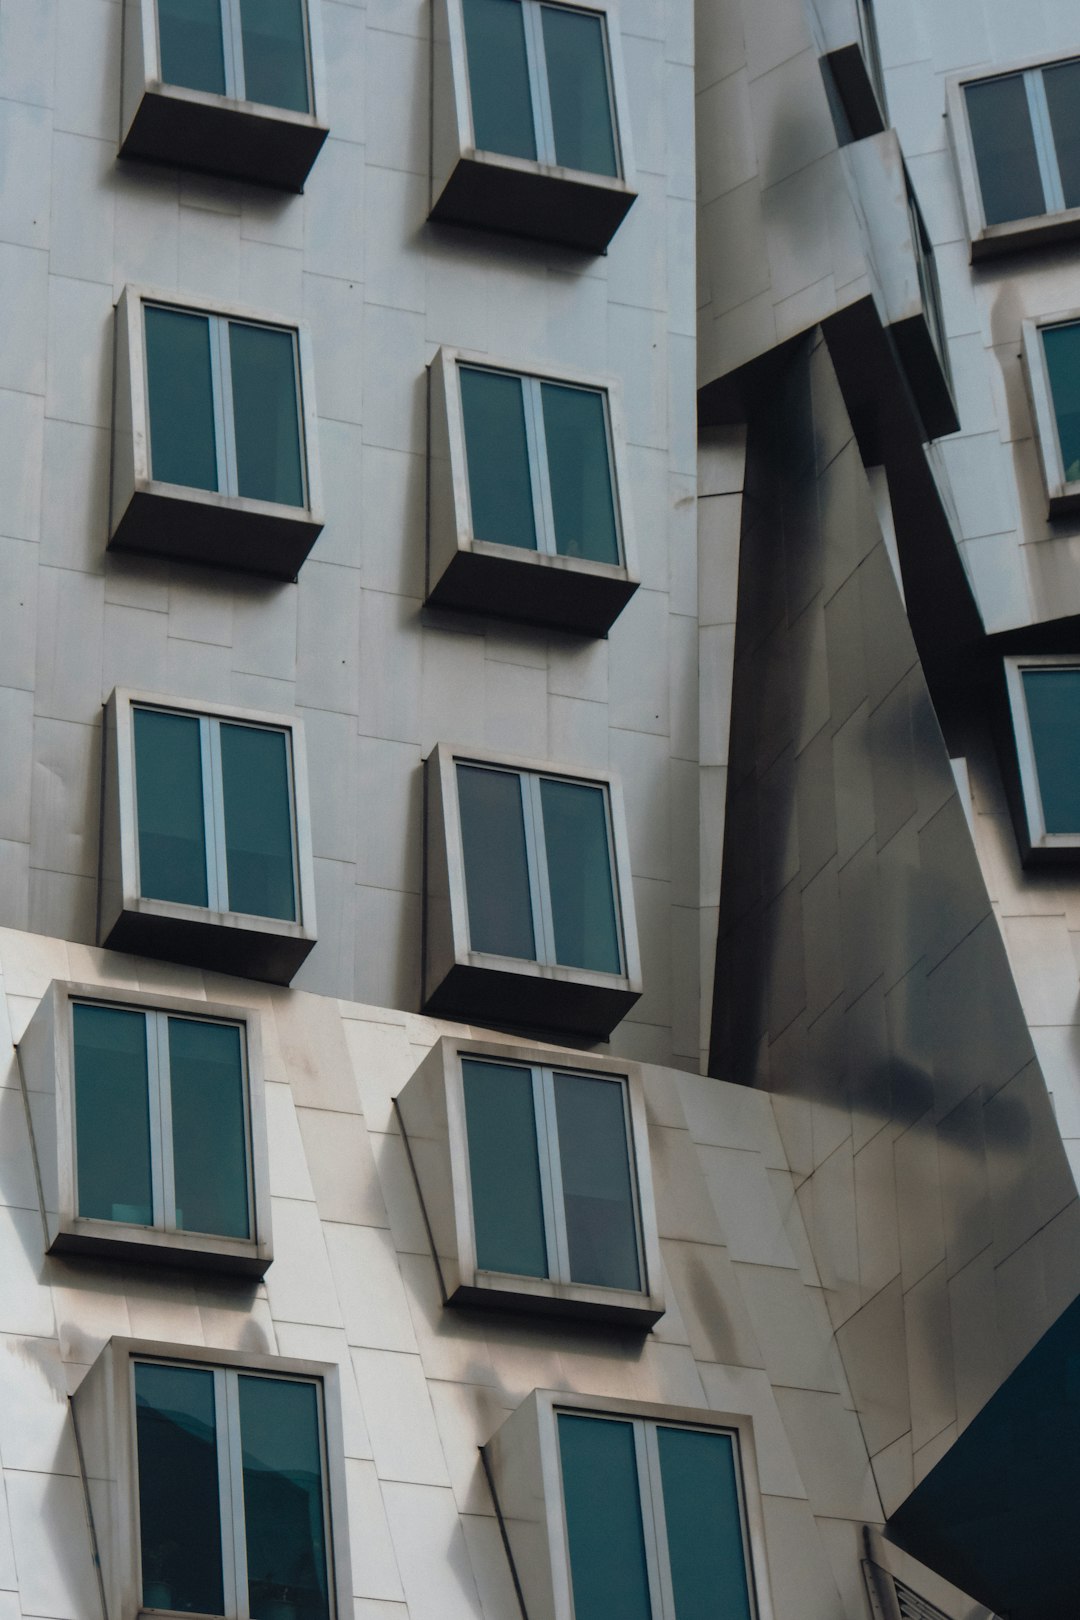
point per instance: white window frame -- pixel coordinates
(232, 40)
(158, 1073)
(1055, 220)
(228, 1442)
(1063, 495)
(1039, 840)
(213, 797)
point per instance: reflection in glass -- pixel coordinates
(112, 1115)
(209, 1127)
(603, 1519)
(1063, 100)
(499, 91)
(575, 427)
(500, 488)
(285, 1528)
(179, 1502)
(191, 44)
(504, 1169)
(704, 1526)
(275, 53)
(265, 413)
(180, 385)
(169, 799)
(579, 875)
(258, 821)
(496, 862)
(601, 1227)
(1000, 124)
(1061, 345)
(1053, 706)
(577, 76)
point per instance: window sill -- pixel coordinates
(1015, 234)
(192, 129)
(194, 1251)
(224, 942)
(532, 587)
(532, 995)
(218, 531)
(855, 86)
(536, 1296)
(521, 198)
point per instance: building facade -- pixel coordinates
(537, 875)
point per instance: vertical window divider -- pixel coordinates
(616, 897)
(543, 128)
(232, 1518)
(551, 1173)
(226, 1494)
(534, 839)
(219, 365)
(233, 44)
(214, 805)
(1042, 131)
(228, 407)
(650, 1495)
(536, 433)
(161, 1101)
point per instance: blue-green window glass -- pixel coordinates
(496, 447)
(191, 44)
(275, 53)
(579, 469)
(598, 1195)
(258, 821)
(183, 444)
(179, 1503)
(1053, 706)
(499, 77)
(1004, 146)
(209, 1127)
(704, 1525)
(285, 1529)
(1061, 345)
(112, 1115)
(1062, 86)
(579, 876)
(496, 862)
(169, 793)
(603, 1519)
(265, 413)
(577, 74)
(504, 1169)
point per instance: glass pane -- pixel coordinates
(575, 427)
(601, 1227)
(704, 1530)
(1053, 705)
(265, 415)
(183, 447)
(1004, 149)
(499, 77)
(603, 1520)
(169, 797)
(496, 863)
(209, 1127)
(1063, 98)
(179, 1504)
(1061, 345)
(275, 53)
(191, 47)
(283, 1500)
(500, 489)
(258, 821)
(579, 875)
(577, 73)
(504, 1168)
(112, 1115)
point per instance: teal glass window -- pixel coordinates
(538, 867)
(1025, 134)
(162, 1121)
(1061, 346)
(540, 83)
(655, 1523)
(250, 50)
(551, 1174)
(224, 405)
(214, 809)
(1052, 698)
(540, 465)
(240, 1458)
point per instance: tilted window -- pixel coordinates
(1044, 697)
(1052, 365)
(252, 50)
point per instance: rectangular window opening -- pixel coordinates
(249, 50)
(1025, 136)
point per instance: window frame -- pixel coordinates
(232, 43)
(1063, 495)
(431, 1111)
(105, 1426)
(524, 1467)
(1054, 223)
(253, 945)
(1038, 842)
(47, 1071)
(218, 527)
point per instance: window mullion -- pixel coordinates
(234, 1529)
(536, 433)
(161, 1095)
(543, 920)
(233, 43)
(1045, 150)
(236, 1605)
(654, 1527)
(543, 127)
(214, 810)
(547, 1135)
(635, 1191)
(226, 407)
